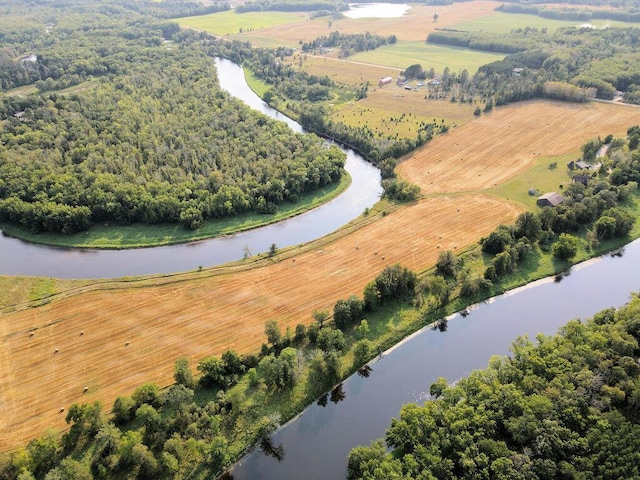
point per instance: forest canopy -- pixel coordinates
(565, 406)
(154, 140)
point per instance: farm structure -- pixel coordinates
(385, 81)
(551, 199)
(583, 179)
(579, 165)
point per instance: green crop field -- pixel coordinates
(506, 22)
(403, 54)
(230, 22)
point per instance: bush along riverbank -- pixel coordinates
(211, 416)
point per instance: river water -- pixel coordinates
(376, 10)
(315, 445)
(23, 258)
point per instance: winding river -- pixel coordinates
(23, 258)
(315, 445)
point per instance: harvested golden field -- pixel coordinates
(112, 340)
(499, 145)
(416, 24)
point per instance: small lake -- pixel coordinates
(376, 10)
(315, 445)
(23, 258)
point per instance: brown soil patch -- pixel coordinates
(499, 145)
(415, 25)
(113, 341)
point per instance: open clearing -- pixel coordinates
(403, 54)
(499, 145)
(111, 341)
(230, 22)
(382, 111)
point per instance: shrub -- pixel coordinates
(331, 339)
(497, 240)
(566, 247)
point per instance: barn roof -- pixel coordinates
(553, 198)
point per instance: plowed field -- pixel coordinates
(499, 145)
(113, 341)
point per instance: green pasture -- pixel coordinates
(31, 89)
(546, 175)
(403, 54)
(500, 22)
(230, 22)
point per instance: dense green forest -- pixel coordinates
(563, 407)
(154, 140)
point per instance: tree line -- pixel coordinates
(349, 44)
(579, 14)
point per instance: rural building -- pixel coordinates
(579, 165)
(583, 179)
(402, 80)
(385, 81)
(551, 199)
(517, 71)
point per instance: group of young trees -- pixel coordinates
(349, 44)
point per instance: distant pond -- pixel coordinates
(376, 10)
(23, 258)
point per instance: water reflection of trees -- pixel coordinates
(364, 371)
(440, 325)
(268, 448)
(335, 396)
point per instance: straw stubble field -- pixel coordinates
(104, 343)
(113, 341)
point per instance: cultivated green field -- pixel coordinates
(506, 22)
(542, 176)
(403, 54)
(230, 22)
